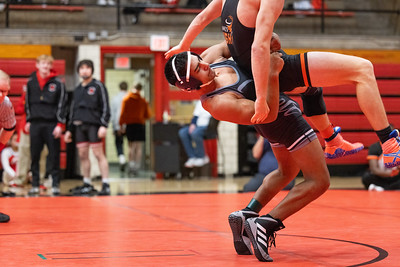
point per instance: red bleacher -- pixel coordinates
(45, 7)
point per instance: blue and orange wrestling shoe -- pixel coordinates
(391, 150)
(338, 147)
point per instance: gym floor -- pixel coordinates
(341, 228)
(144, 183)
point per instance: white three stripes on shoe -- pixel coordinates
(262, 235)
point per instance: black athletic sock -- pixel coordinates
(384, 134)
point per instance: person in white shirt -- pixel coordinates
(192, 137)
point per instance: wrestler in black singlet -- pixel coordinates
(244, 86)
(291, 75)
(294, 73)
(290, 129)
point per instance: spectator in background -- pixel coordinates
(134, 112)
(115, 114)
(7, 122)
(24, 146)
(377, 177)
(192, 137)
(267, 163)
(89, 117)
(9, 159)
(303, 5)
(106, 2)
(45, 115)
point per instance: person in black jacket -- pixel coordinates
(45, 117)
(89, 117)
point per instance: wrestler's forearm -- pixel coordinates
(238, 110)
(260, 67)
(211, 12)
(273, 96)
(260, 49)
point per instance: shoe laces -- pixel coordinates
(392, 145)
(271, 240)
(272, 236)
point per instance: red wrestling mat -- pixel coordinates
(342, 228)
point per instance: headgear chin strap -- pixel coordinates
(186, 83)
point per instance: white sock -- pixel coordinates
(105, 180)
(87, 180)
(132, 164)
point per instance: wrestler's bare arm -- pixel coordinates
(205, 17)
(268, 13)
(216, 53)
(232, 108)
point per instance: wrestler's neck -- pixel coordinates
(208, 87)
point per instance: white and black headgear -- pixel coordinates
(186, 82)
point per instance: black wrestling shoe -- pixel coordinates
(105, 190)
(85, 190)
(4, 218)
(8, 194)
(55, 191)
(240, 239)
(262, 232)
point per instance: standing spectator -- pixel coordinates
(192, 137)
(134, 112)
(24, 145)
(89, 117)
(377, 177)
(7, 120)
(116, 103)
(45, 115)
(9, 159)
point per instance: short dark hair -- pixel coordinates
(138, 86)
(123, 86)
(180, 65)
(86, 62)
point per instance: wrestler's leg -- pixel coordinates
(314, 108)
(311, 161)
(330, 69)
(261, 230)
(276, 180)
(273, 183)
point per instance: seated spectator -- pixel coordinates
(377, 177)
(267, 163)
(9, 159)
(192, 137)
(303, 5)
